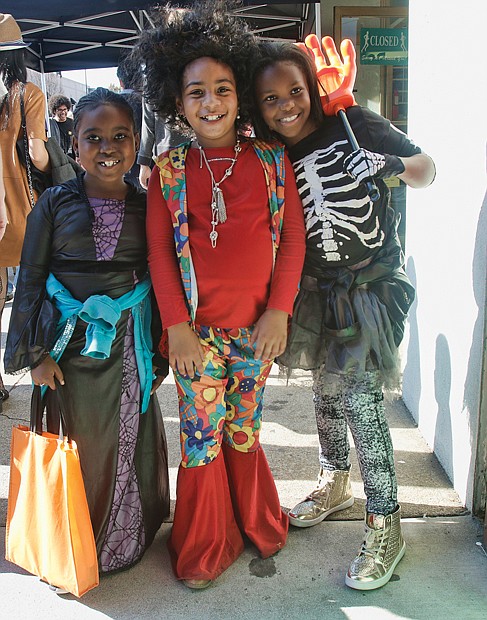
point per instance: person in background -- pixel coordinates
(3, 227)
(3, 205)
(18, 199)
(156, 137)
(60, 123)
(130, 77)
(73, 104)
(12, 273)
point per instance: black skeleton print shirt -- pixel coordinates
(343, 226)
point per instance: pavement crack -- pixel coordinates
(13, 418)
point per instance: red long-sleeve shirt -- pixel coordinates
(235, 280)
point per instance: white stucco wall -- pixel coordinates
(447, 231)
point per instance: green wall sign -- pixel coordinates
(383, 46)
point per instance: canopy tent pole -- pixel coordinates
(44, 90)
(318, 20)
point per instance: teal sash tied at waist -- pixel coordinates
(101, 313)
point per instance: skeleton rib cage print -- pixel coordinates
(342, 223)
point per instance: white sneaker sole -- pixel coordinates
(310, 522)
(376, 583)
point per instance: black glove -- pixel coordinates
(363, 164)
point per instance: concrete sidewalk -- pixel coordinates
(443, 574)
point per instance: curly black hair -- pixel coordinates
(182, 35)
(58, 100)
(269, 54)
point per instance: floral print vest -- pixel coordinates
(172, 171)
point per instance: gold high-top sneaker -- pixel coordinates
(333, 492)
(380, 553)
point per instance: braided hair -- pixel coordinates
(100, 96)
(181, 36)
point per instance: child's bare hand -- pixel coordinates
(336, 77)
(185, 351)
(270, 334)
(46, 372)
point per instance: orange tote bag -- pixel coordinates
(49, 531)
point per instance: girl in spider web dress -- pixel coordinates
(82, 315)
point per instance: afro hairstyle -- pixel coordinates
(182, 35)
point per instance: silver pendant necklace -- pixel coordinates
(218, 206)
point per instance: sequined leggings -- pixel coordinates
(345, 399)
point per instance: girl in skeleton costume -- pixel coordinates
(226, 248)
(82, 315)
(354, 296)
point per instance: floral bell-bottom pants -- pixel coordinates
(225, 403)
(225, 489)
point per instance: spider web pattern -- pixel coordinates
(125, 538)
(107, 224)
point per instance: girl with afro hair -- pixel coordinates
(226, 246)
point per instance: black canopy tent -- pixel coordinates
(76, 34)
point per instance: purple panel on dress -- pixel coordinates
(107, 224)
(125, 537)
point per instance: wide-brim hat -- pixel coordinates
(10, 34)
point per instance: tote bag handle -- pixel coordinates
(37, 410)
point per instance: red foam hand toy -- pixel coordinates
(336, 77)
